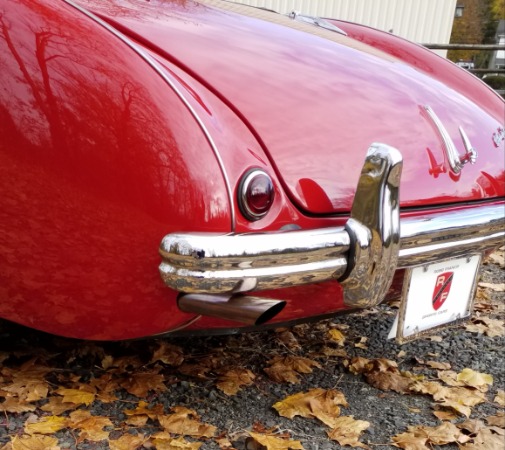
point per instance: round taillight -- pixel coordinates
(256, 194)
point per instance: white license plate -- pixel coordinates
(437, 294)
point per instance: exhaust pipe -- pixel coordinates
(239, 308)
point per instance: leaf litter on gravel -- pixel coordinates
(67, 390)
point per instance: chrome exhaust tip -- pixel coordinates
(238, 308)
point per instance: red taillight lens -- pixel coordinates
(256, 194)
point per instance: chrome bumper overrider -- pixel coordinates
(362, 255)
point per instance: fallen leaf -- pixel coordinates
(76, 396)
(497, 287)
(35, 442)
(91, 427)
(446, 433)
(358, 365)
(46, 425)
(472, 426)
(143, 409)
(346, 431)
(438, 365)
(389, 381)
(271, 442)
(362, 343)
(289, 340)
(475, 379)
(336, 336)
(338, 352)
(127, 442)
(316, 403)
(139, 384)
(163, 441)
(185, 421)
(409, 441)
(449, 377)
(16, 405)
(496, 421)
(500, 397)
(445, 415)
(56, 406)
(231, 381)
(287, 368)
(485, 440)
(169, 354)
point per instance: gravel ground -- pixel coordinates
(190, 372)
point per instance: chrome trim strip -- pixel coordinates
(212, 263)
(159, 69)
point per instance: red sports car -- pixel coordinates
(203, 166)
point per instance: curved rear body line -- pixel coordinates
(158, 68)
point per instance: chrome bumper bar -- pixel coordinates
(362, 255)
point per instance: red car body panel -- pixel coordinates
(99, 158)
(317, 100)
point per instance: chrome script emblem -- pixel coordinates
(498, 136)
(453, 157)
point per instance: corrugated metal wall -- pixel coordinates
(423, 21)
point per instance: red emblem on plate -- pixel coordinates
(442, 288)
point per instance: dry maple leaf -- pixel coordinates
(127, 442)
(287, 338)
(16, 405)
(76, 396)
(56, 406)
(490, 327)
(317, 403)
(486, 439)
(232, 380)
(287, 368)
(438, 365)
(449, 377)
(139, 384)
(475, 379)
(389, 381)
(346, 431)
(358, 365)
(35, 442)
(497, 287)
(336, 336)
(169, 354)
(46, 425)
(91, 427)
(362, 343)
(445, 415)
(500, 397)
(271, 442)
(143, 409)
(185, 421)
(330, 351)
(496, 421)
(409, 441)
(163, 441)
(472, 426)
(446, 433)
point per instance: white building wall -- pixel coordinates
(422, 21)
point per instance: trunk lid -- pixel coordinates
(316, 100)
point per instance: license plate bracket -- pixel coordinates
(436, 295)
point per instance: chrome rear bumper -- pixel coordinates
(363, 255)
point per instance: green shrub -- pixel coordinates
(495, 81)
